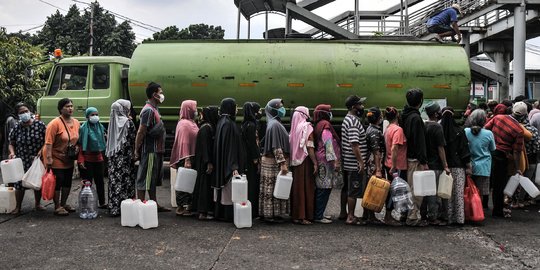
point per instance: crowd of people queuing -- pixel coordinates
(495, 142)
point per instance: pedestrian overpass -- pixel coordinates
(496, 28)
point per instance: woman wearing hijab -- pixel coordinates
(203, 201)
(458, 158)
(90, 161)
(119, 151)
(183, 150)
(328, 160)
(273, 162)
(228, 157)
(303, 168)
(250, 136)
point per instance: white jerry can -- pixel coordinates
(424, 183)
(185, 180)
(512, 185)
(129, 212)
(282, 190)
(7, 199)
(242, 214)
(445, 186)
(239, 189)
(12, 170)
(148, 214)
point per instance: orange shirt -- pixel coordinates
(57, 136)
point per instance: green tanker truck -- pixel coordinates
(301, 72)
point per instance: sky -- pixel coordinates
(16, 15)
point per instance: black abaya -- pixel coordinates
(203, 201)
(228, 157)
(252, 153)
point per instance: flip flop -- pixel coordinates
(68, 208)
(61, 211)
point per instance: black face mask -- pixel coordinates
(258, 116)
(360, 112)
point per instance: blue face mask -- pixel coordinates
(25, 117)
(281, 112)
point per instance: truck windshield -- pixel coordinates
(69, 78)
(101, 76)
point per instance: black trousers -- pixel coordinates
(94, 172)
(499, 178)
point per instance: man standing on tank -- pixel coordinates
(413, 127)
(444, 24)
(150, 145)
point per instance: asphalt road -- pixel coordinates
(40, 240)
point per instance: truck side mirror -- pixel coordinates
(124, 73)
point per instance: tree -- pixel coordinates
(194, 31)
(115, 45)
(71, 33)
(16, 56)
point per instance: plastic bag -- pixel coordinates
(32, 178)
(473, 204)
(47, 185)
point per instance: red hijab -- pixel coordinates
(321, 116)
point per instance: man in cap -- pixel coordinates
(436, 159)
(354, 152)
(509, 142)
(444, 24)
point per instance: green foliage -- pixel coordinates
(71, 33)
(194, 31)
(16, 56)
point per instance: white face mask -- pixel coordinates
(196, 114)
(93, 119)
(161, 98)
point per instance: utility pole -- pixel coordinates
(91, 27)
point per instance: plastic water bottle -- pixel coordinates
(87, 202)
(401, 197)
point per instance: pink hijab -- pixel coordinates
(186, 132)
(300, 131)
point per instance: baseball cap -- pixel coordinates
(353, 100)
(519, 108)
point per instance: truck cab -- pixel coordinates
(87, 80)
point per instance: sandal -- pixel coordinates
(180, 211)
(68, 208)
(392, 222)
(507, 213)
(355, 221)
(61, 211)
(375, 222)
(323, 221)
(39, 208)
(15, 212)
(416, 223)
(103, 206)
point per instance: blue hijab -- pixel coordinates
(92, 136)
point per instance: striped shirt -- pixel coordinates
(508, 133)
(352, 131)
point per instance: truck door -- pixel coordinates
(99, 95)
(69, 81)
